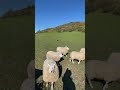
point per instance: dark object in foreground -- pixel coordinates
(68, 84)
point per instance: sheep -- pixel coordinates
(28, 84)
(63, 50)
(31, 69)
(50, 72)
(114, 59)
(82, 50)
(56, 56)
(77, 55)
(103, 70)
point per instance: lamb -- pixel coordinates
(77, 55)
(28, 84)
(101, 70)
(31, 69)
(50, 72)
(63, 50)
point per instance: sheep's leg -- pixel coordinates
(72, 61)
(106, 85)
(52, 85)
(90, 83)
(79, 62)
(47, 84)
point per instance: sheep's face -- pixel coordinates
(59, 54)
(51, 68)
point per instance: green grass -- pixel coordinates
(16, 50)
(102, 38)
(48, 41)
(102, 35)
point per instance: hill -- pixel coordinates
(29, 10)
(103, 6)
(69, 27)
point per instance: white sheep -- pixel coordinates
(74, 55)
(82, 50)
(96, 69)
(50, 72)
(56, 56)
(28, 84)
(31, 69)
(63, 50)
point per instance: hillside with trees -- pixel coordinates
(103, 6)
(69, 27)
(29, 10)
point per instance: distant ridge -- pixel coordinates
(69, 27)
(29, 10)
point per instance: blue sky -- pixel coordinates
(5, 5)
(52, 13)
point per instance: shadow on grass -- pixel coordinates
(60, 70)
(61, 59)
(38, 73)
(68, 84)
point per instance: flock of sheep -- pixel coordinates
(104, 70)
(50, 66)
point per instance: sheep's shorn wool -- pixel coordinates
(50, 72)
(56, 56)
(74, 55)
(101, 70)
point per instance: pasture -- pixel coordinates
(71, 79)
(16, 50)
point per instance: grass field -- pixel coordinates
(75, 73)
(102, 35)
(16, 50)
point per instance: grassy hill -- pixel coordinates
(49, 41)
(69, 27)
(16, 49)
